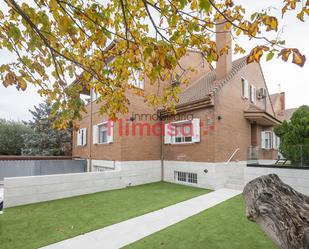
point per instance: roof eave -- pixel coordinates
(265, 117)
(205, 102)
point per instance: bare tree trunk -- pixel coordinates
(282, 212)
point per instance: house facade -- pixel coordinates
(225, 117)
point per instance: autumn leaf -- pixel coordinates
(298, 58)
(9, 79)
(239, 49)
(271, 22)
(301, 15)
(21, 84)
(285, 54)
(256, 54)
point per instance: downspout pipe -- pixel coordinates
(90, 132)
(162, 149)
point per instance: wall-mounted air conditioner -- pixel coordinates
(262, 93)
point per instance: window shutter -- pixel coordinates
(79, 137)
(167, 135)
(84, 134)
(252, 93)
(196, 130)
(110, 131)
(246, 93)
(95, 134)
(263, 136)
(276, 141)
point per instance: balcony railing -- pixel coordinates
(295, 155)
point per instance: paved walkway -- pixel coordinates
(129, 231)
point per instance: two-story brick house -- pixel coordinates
(224, 115)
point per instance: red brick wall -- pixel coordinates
(219, 138)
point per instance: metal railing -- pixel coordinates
(294, 155)
(232, 156)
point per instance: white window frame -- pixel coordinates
(264, 145)
(181, 134)
(171, 134)
(252, 93)
(81, 137)
(244, 88)
(105, 127)
(137, 80)
(96, 135)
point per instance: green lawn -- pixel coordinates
(37, 225)
(221, 227)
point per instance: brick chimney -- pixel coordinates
(282, 101)
(223, 38)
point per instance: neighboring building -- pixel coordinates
(278, 100)
(224, 116)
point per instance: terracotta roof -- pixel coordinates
(287, 114)
(208, 85)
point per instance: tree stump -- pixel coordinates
(282, 212)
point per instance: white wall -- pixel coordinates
(215, 178)
(296, 178)
(220, 175)
(25, 190)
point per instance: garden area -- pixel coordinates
(223, 226)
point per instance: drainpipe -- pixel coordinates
(90, 132)
(162, 149)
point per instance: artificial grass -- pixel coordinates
(221, 227)
(37, 225)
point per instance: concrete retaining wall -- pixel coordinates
(296, 178)
(15, 168)
(220, 175)
(25, 190)
(215, 178)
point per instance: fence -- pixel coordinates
(33, 166)
(289, 156)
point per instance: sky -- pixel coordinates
(287, 77)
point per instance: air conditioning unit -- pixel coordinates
(262, 93)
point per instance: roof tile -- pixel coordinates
(208, 84)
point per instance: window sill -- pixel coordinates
(187, 143)
(102, 144)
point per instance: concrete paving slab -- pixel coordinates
(129, 231)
